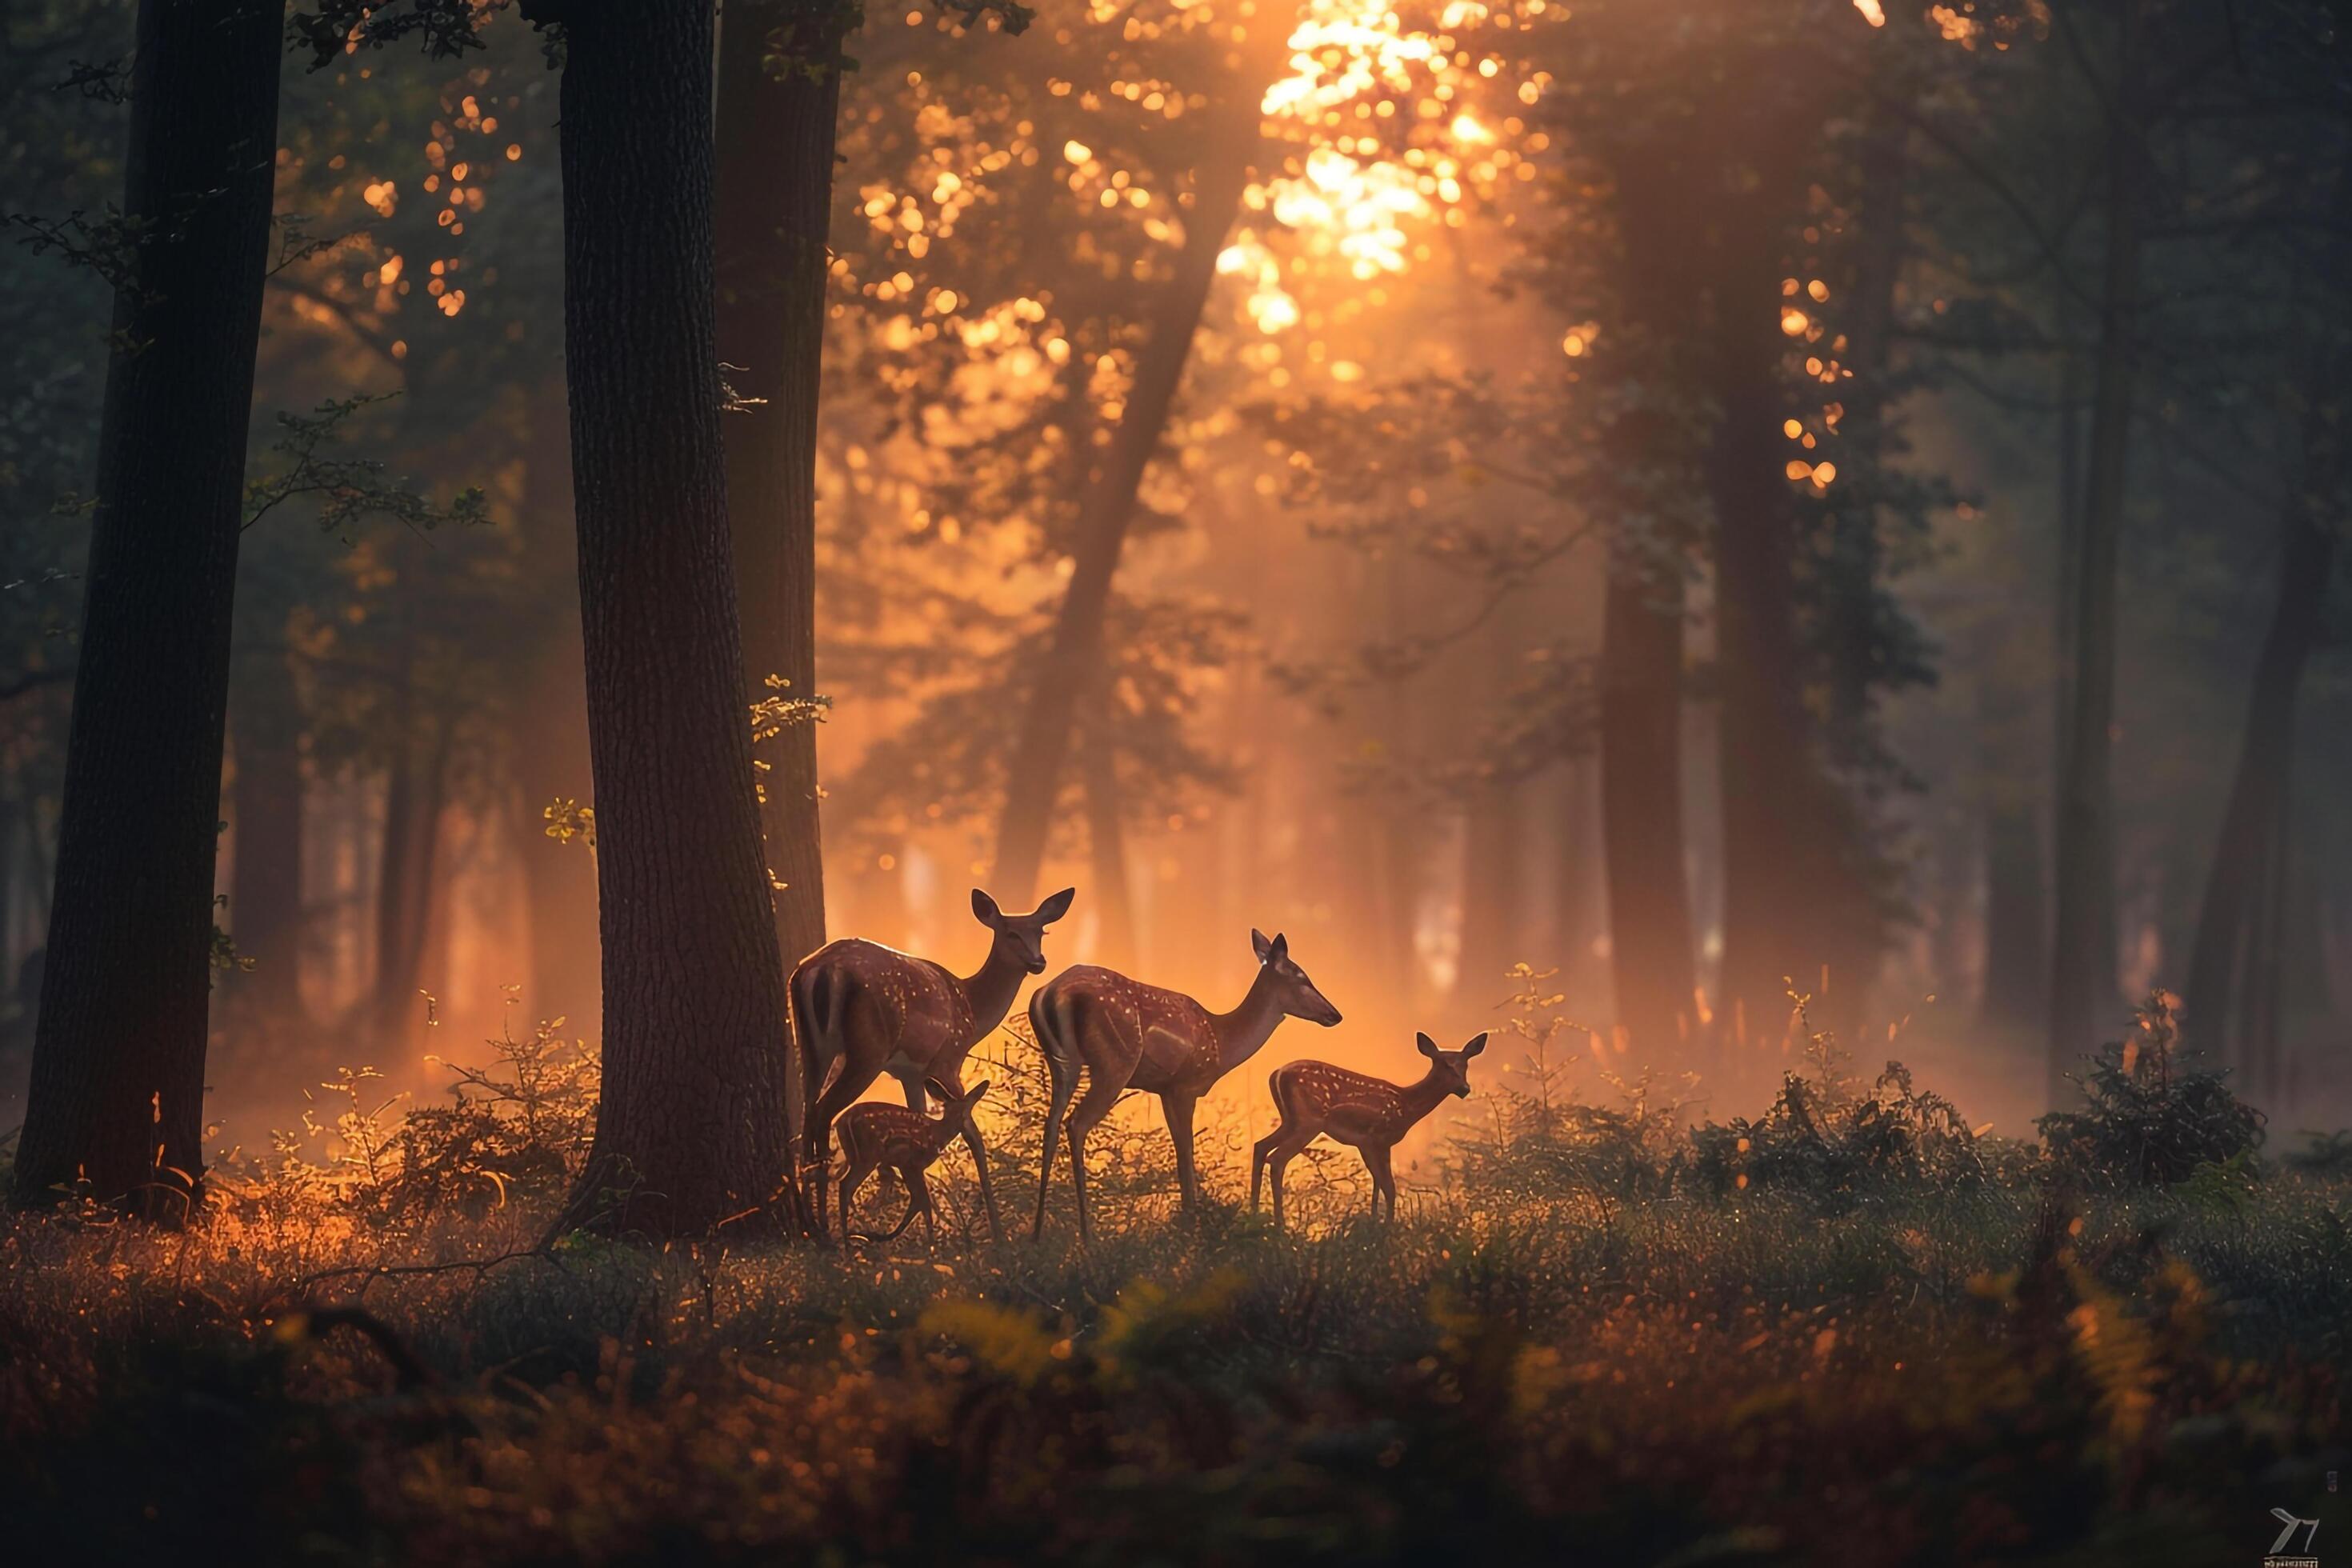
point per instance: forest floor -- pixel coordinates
(1996, 1373)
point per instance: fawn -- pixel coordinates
(1127, 1034)
(872, 1009)
(874, 1135)
(1369, 1114)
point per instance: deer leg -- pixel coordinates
(840, 1096)
(910, 1083)
(1375, 1160)
(1279, 1162)
(1178, 1109)
(851, 1180)
(1265, 1148)
(1065, 1082)
(1093, 1106)
(918, 1197)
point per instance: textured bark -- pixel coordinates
(691, 1129)
(2083, 960)
(551, 733)
(118, 1066)
(779, 92)
(1033, 778)
(264, 901)
(1642, 801)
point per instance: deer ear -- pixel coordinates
(1258, 942)
(1428, 1047)
(1057, 906)
(1477, 1044)
(977, 1091)
(984, 910)
(1278, 948)
(942, 1091)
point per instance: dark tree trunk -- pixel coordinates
(415, 794)
(551, 734)
(2234, 1003)
(119, 1067)
(1641, 802)
(691, 1131)
(779, 92)
(2083, 960)
(1033, 778)
(264, 901)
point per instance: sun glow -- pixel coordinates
(1383, 147)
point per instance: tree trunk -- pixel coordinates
(265, 902)
(1494, 854)
(415, 794)
(551, 733)
(691, 1131)
(2017, 946)
(2083, 961)
(1033, 778)
(118, 1066)
(2234, 999)
(1113, 895)
(779, 91)
(1642, 802)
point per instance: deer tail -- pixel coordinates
(816, 1007)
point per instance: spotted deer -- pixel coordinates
(860, 1009)
(878, 1136)
(1369, 1115)
(1127, 1034)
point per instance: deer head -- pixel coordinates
(1021, 939)
(955, 1109)
(1452, 1069)
(1293, 991)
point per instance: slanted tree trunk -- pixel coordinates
(551, 732)
(779, 93)
(2083, 958)
(1642, 801)
(1033, 778)
(691, 1131)
(119, 1063)
(264, 901)
(2234, 1003)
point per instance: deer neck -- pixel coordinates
(1420, 1098)
(1249, 1025)
(989, 990)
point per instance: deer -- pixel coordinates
(1127, 1035)
(860, 1009)
(1369, 1115)
(877, 1135)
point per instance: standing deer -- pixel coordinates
(1127, 1036)
(1369, 1114)
(876, 1136)
(860, 1010)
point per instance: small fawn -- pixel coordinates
(1369, 1114)
(874, 1135)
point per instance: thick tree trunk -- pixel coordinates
(691, 1131)
(779, 92)
(551, 733)
(1033, 783)
(119, 1067)
(1642, 802)
(2083, 960)
(2017, 917)
(264, 901)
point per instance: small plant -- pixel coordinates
(2152, 1120)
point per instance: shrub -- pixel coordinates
(2152, 1120)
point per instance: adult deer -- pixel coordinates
(876, 1136)
(1369, 1115)
(860, 1009)
(1127, 1035)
